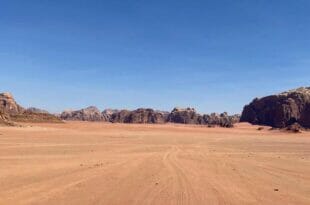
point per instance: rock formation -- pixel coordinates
(280, 110)
(5, 119)
(150, 116)
(141, 115)
(185, 116)
(222, 120)
(9, 105)
(147, 116)
(88, 114)
(11, 111)
(121, 116)
(107, 113)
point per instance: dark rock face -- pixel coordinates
(88, 114)
(305, 116)
(280, 110)
(185, 116)
(121, 117)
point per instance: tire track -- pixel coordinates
(181, 187)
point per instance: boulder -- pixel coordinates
(295, 127)
(280, 110)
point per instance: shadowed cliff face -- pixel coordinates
(280, 110)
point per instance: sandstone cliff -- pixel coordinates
(280, 110)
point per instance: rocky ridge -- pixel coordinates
(150, 116)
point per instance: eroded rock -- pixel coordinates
(280, 110)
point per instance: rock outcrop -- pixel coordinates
(5, 120)
(280, 110)
(222, 120)
(190, 116)
(139, 116)
(8, 104)
(122, 116)
(11, 111)
(107, 113)
(150, 116)
(147, 116)
(185, 116)
(88, 114)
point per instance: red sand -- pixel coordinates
(96, 163)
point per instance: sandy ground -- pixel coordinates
(98, 163)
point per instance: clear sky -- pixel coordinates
(214, 55)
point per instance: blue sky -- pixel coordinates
(212, 55)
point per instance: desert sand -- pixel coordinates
(101, 163)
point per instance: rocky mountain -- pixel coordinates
(141, 115)
(11, 111)
(8, 104)
(91, 113)
(190, 116)
(147, 116)
(222, 120)
(122, 116)
(185, 116)
(280, 110)
(107, 113)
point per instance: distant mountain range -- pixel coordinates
(290, 108)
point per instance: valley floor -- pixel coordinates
(100, 163)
